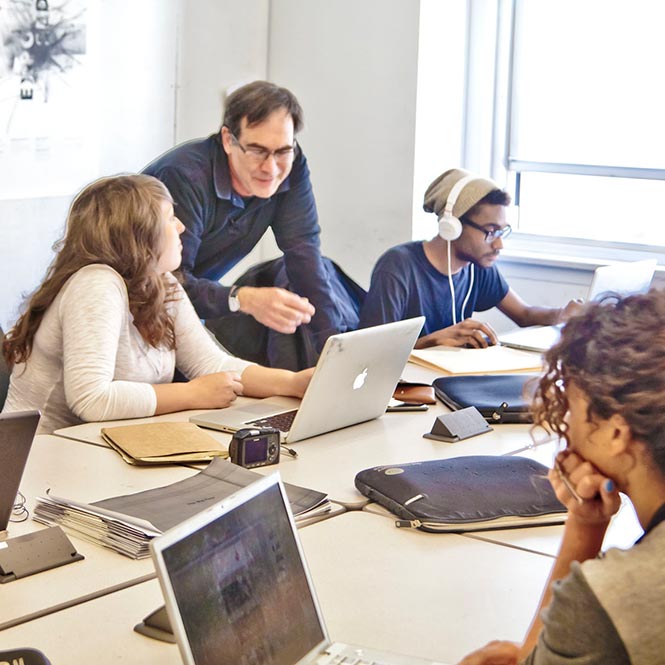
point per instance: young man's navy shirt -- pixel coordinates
(405, 284)
(223, 227)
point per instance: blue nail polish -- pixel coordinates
(609, 485)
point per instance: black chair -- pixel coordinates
(25, 655)
(243, 336)
(4, 373)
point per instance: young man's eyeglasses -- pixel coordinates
(258, 154)
(490, 234)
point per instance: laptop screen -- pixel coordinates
(622, 278)
(16, 433)
(241, 587)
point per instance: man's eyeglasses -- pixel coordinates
(490, 234)
(259, 154)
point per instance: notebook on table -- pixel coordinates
(17, 431)
(237, 588)
(353, 382)
(163, 443)
(621, 278)
(490, 360)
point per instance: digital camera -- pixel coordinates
(251, 447)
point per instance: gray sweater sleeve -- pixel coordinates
(576, 629)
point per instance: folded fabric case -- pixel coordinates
(465, 493)
(500, 398)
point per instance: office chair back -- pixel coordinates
(26, 656)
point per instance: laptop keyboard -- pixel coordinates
(351, 660)
(281, 421)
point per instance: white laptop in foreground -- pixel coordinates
(354, 380)
(621, 278)
(238, 591)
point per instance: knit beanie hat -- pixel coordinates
(437, 193)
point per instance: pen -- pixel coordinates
(565, 480)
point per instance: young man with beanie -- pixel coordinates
(453, 275)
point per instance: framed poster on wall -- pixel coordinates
(47, 139)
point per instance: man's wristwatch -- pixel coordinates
(234, 302)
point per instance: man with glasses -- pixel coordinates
(228, 190)
(453, 275)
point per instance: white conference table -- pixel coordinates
(329, 462)
(97, 631)
(83, 473)
(429, 595)
(87, 473)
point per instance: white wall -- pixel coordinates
(138, 47)
(440, 101)
(133, 48)
(223, 44)
(140, 51)
(353, 66)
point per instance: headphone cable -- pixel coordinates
(468, 293)
(452, 288)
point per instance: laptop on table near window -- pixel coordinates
(238, 591)
(17, 431)
(621, 278)
(354, 380)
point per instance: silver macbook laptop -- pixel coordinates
(238, 591)
(354, 380)
(620, 278)
(17, 431)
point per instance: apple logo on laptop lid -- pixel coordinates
(359, 381)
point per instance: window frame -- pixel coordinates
(491, 32)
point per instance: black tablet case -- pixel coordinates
(465, 493)
(500, 398)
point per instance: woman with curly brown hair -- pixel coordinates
(603, 392)
(101, 337)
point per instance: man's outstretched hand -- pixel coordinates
(276, 308)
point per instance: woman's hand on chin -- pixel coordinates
(591, 497)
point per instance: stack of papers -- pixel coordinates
(493, 359)
(163, 443)
(127, 523)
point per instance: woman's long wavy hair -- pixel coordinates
(614, 351)
(115, 221)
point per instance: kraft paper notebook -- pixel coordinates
(163, 443)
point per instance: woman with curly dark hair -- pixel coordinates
(603, 392)
(102, 335)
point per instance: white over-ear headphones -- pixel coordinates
(450, 228)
